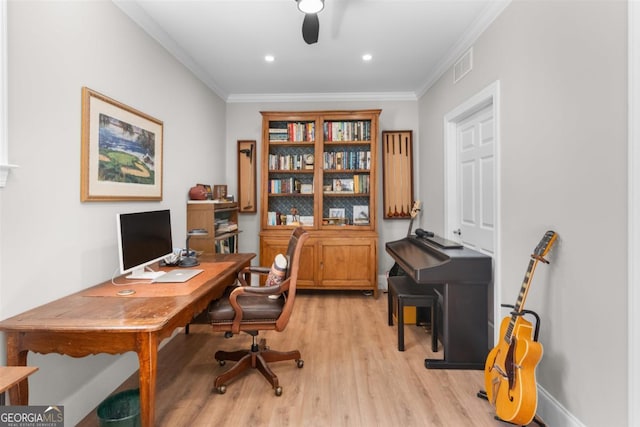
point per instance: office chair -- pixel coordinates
(251, 309)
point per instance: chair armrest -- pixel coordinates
(252, 290)
(251, 270)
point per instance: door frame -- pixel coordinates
(487, 96)
(633, 177)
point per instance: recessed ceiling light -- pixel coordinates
(269, 58)
(367, 57)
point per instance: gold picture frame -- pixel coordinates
(121, 151)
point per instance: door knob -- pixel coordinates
(458, 232)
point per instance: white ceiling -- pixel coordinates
(224, 43)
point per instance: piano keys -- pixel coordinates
(460, 277)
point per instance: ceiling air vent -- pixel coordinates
(463, 66)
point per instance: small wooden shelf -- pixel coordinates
(203, 214)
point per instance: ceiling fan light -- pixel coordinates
(310, 6)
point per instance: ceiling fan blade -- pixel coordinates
(310, 28)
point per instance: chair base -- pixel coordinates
(258, 358)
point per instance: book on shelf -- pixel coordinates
(347, 160)
(227, 228)
(292, 131)
(284, 186)
(357, 130)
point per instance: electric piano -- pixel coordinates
(460, 278)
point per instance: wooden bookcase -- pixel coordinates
(319, 171)
(207, 214)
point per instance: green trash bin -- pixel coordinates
(120, 410)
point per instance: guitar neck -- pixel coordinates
(522, 296)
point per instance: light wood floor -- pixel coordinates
(353, 375)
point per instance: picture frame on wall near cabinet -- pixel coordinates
(247, 176)
(397, 174)
(121, 151)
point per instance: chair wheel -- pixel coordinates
(300, 363)
(278, 391)
(222, 389)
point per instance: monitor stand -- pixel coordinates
(142, 274)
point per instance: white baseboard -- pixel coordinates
(553, 413)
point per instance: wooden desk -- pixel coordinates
(79, 325)
(12, 375)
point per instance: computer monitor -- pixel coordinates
(143, 238)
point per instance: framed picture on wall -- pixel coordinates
(121, 151)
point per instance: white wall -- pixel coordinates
(562, 69)
(244, 121)
(52, 244)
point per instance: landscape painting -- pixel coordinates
(127, 152)
(121, 151)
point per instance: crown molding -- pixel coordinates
(490, 13)
(144, 21)
(322, 97)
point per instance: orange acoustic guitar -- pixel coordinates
(510, 368)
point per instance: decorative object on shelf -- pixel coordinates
(247, 176)
(360, 215)
(208, 190)
(133, 171)
(308, 161)
(336, 213)
(219, 192)
(198, 192)
(295, 216)
(397, 174)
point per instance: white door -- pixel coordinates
(476, 180)
(472, 189)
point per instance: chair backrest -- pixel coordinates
(296, 242)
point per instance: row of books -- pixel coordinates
(347, 131)
(291, 131)
(226, 246)
(284, 186)
(347, 160)
(287, 162)
(358, 184)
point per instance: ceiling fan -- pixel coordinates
(311, 24)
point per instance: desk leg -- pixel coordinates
(18, 394)
(148, 358)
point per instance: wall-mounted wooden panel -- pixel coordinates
(246, 176)
(397, 174)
